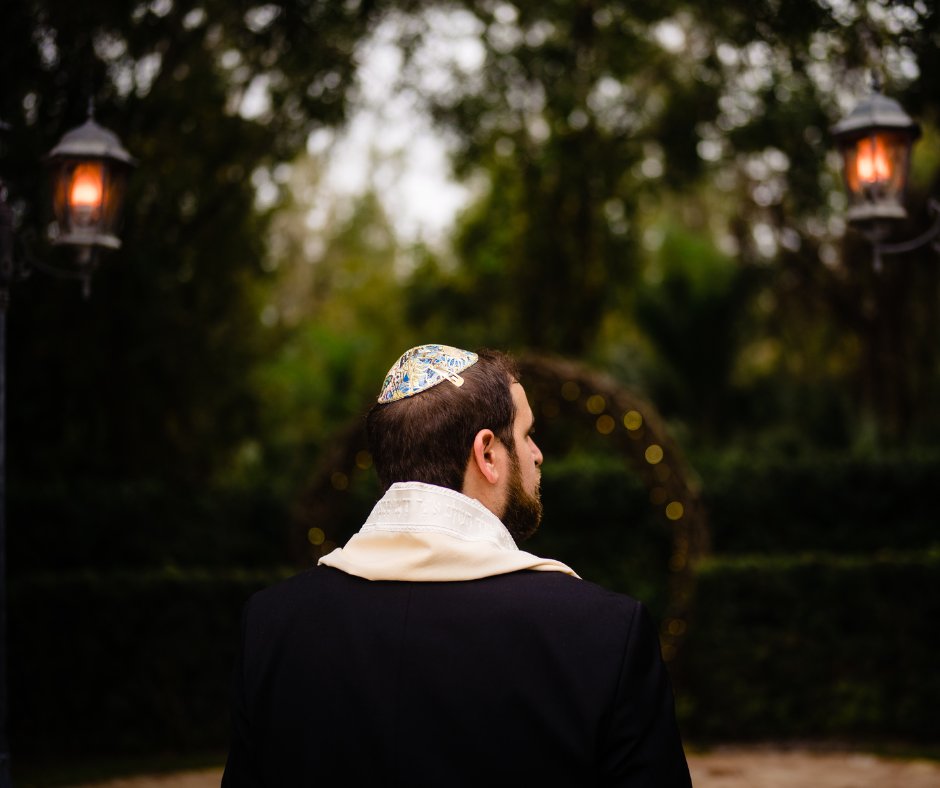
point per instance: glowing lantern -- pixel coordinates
(86, 194)
(89, 170)
(875, 141)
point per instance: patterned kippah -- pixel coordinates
(422, 368)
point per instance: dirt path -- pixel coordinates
(722, 768)
(747, 768)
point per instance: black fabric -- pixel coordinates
(527, 678)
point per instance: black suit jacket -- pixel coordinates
(529, 678)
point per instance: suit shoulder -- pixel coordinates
(563, 590)
(317, 580)
(564, 583)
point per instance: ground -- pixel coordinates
(731, 767)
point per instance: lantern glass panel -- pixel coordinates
(86, 194)
(87, 200)
(875, 170)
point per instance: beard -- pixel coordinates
(523, 512)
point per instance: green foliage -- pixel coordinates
(599, 521)
(144, 524)
(546, 250)
(133, 631)
(589, 126)
(836, 504)
(340, 322)
(815, 646)
(475, 304)
(693, 305)
(592, 124)
(171, 420)
(152, 376)
(809, 620)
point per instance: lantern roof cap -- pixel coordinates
(90, 139)
(876, 112)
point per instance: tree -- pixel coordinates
(587, 121)
(809, 66)
(152, 376)
(559, 117)
(338, 309)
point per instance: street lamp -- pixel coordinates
(89, 168)
(875, 141)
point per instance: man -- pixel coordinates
(430, 650)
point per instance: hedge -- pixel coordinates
(813, 646)
(123, 663)
(595, 510)
(598, 517)
(821, 503)
(145, 523)
(129, 663)
(114, 654)
(599, 521)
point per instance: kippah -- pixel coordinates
(423, 367)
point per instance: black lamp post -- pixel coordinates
(89, 169)
(875, 141)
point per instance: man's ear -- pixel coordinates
(483, 456)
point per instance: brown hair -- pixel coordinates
(428, 437)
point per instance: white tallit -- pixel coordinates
(422, 532)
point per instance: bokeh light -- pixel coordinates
(632, 420)
(596, 404)
(570, 390)
(675, 510)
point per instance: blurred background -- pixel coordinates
(740, 411)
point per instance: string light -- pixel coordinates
(676, 626)
(632, 420)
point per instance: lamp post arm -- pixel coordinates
(902, 247)
(87, 261)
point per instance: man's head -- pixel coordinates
(459, 420)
